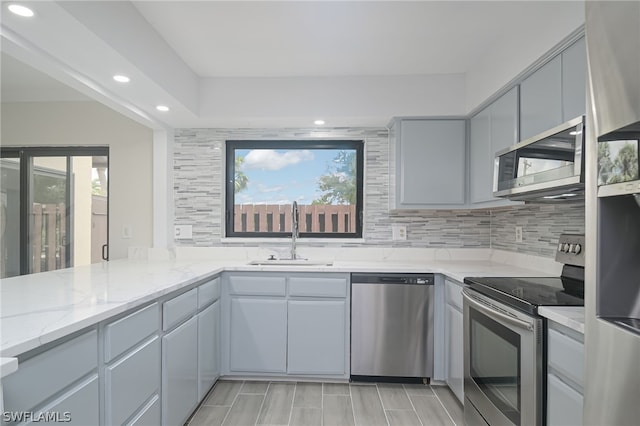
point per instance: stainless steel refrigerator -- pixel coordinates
(612, 214)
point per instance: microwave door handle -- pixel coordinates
(490, 312)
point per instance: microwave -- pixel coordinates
(548, 167)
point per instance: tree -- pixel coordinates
(240, 180)
(338, 184)
(605, 165)
(626, 164)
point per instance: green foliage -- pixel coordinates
(338, 184)
(240, 179)
(48, 189)
(605, 165)
(623, 168)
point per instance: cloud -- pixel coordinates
(264, 188)
(268, 159)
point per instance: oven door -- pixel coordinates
(502, 363)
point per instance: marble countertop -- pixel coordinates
(569, 316)
(39, 308)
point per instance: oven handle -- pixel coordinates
(491, 312)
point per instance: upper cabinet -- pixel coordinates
(492, 129)
(555, 93)
(429, 160)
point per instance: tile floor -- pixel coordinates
(248, 403)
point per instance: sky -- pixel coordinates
(283, 176)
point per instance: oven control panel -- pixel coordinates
(570, 249)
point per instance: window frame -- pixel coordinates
(336, 144)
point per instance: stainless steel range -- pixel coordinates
(504, 339)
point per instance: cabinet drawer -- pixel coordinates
(564, 404)
(566, 356)
(208, 293)
(125, 333)
(453, 294)
(132, 381)
(258, 286)
(150, 414)
(77, 407)
(50, 372)
(318, 287)
(179, 308)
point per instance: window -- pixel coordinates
(264, 178)
(54, 208)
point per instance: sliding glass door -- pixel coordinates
(57, 212)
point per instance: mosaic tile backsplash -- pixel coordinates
(199, 200)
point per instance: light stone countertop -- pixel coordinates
(569, 316)
(39, 308)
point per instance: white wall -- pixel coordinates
(130, 155)
(341, 101)
(540, 30)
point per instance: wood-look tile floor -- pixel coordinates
(249, 403)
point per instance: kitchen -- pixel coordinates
(430, 234)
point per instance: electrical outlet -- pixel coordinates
(518, 234)
(183, 232)
(399, 232)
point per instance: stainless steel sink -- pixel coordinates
(290, 262)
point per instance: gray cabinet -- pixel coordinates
(491, 130)
(454, 352)
(180, 373)
(555, 93)
(131, 382)
(574, 80)
(316, 337)
(208, 348)
(541, 99)
(258, 335)
(565, 375)
(286, 323)
(429, 160)
(64, 378)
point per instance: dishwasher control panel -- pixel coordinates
(392, 278)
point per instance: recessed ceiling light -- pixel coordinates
(162, 108)
(318, 122)
(121, 78)
(20, 10)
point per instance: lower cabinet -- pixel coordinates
(316, 337)
(180, 373)
(287, 324)
(258, 335)
(208, 348)
(565, 375)
(454, 338)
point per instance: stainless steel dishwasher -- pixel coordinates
(391, 326)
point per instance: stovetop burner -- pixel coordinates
(527, 293)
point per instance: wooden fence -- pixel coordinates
(311, 218)
(48, 237)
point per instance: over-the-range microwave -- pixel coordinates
(548, 167)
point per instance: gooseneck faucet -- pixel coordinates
(295, 232)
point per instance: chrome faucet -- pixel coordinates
(295, 231)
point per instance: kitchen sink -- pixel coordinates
(290, 262)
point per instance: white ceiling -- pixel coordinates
(230, 63)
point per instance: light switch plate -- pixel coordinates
(183, 232)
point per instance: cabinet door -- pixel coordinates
(316, 337)
(481, 157)
(431, 163)
(179, 373)
(258, 341)
(564, 404)
(541, 99)
(208, 347)
(132, 381)
(574, 80)
(504, 122)
(455, 353)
